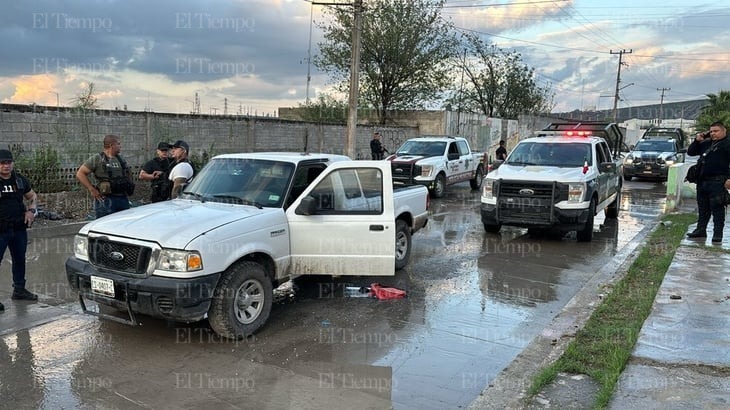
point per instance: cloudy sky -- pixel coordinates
(157, 54)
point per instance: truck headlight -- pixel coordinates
(179, 261)
(629, 160)
(81, 247)
(670, 161)
(426, 170)
(488, 188)
(576, 192)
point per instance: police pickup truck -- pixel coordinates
(557, 181)
(657, 150)
(246, 224)
(437, 161)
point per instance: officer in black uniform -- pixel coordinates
(713, 180)
(15, 218)
(156, 170)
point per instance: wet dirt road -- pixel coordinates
(475, 300)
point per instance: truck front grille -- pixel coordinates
(529, 202)
(404, 172)
(117, 256)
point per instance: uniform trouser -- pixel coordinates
(110, 204)
(711, 202)
(17, 241)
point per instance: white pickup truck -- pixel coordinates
(437, 161)
(556, 182)
(246, 224)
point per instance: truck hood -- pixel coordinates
(540, 173)
(172, 224)
(652, 154)
(409, 159)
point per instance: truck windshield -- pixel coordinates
(658, 146)
(563, 155)
(242, 181)
(422, 148)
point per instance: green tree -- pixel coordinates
(406, 47)
(324, 109)
(717, 109)
(497, 83)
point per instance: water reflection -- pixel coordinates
(19, 378)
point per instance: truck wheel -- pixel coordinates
(439, 186)
(402, 244)
(611, 210)
(241, 302)
(586, 234)
(476, 183)
(627, 177)
(492, 228)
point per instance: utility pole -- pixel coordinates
(309, 51)
(354, 74)
(618, 80)
(661, 104)
(354, 81)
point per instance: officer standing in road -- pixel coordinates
(501, 151)
(155, 170)
(713, 180)
(15, 218)
(377, 150)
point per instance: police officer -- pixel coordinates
(112, 175)
(155, 170)
(181, 171)
(713, 180)
(15, 217)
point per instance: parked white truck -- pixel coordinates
(244, 225)
(437, 161)
(557, 181)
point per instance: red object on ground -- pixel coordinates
(383, 293)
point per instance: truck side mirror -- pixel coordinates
(606, 167)
(308, 206)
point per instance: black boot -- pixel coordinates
(23, 294)
(2, 307)
(697, 233)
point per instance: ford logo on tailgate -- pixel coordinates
(116, 256)
(527, 191)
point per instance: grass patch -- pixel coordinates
(603, 347)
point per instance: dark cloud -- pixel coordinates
(185, 40)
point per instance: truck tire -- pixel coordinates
(492, 228)
(402, 244)
(611, 210)
(586, 234)
(627, 177)
(476, 183)
(241, 301)
(439, 186)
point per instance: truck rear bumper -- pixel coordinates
(560, 219)
(184, 300)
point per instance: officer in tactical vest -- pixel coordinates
(112, 176)
(15, 218)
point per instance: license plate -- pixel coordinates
(102, 286)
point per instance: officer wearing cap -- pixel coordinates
(15, 217)
(181, 171)
(155, 171)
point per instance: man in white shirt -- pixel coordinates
(181, 171)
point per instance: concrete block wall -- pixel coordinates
(76, 135)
